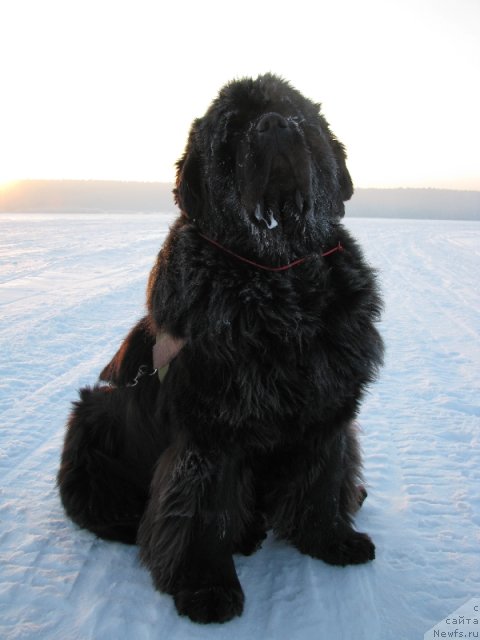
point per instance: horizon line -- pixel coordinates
(6, 184)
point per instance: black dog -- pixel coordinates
(266, 310)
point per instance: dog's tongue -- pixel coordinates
(266, 216)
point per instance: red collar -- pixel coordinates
(284, 267)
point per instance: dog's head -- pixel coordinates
(263, 167)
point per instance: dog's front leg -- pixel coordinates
(187, 530)
(314, 506)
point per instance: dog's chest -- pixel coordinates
(266, 337)
(273, 351)
(273, 311)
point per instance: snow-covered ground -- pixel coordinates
(72, 285)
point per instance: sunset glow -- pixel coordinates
(106, 90)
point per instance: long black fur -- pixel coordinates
(253, 426)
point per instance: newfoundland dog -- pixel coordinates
(230, 407)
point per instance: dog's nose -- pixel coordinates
(271, 122)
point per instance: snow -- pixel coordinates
(70, 288)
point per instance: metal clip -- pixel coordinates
(142, 371)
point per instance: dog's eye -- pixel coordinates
(316, 128)
(230, 127)
(230, 136)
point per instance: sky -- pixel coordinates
(108, 89)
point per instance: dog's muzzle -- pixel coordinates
(274, 169)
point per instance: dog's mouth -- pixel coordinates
(275, 182)
(283, 198)
(286, 194)
(266, 215)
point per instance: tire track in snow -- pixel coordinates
(427, 387)
(52, 344)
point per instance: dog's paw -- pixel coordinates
(210, 604)
(355, 548)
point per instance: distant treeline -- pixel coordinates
(433, 204)
(93, 196)
(86, 196)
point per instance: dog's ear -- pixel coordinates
(188, 190)
(344, 179)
